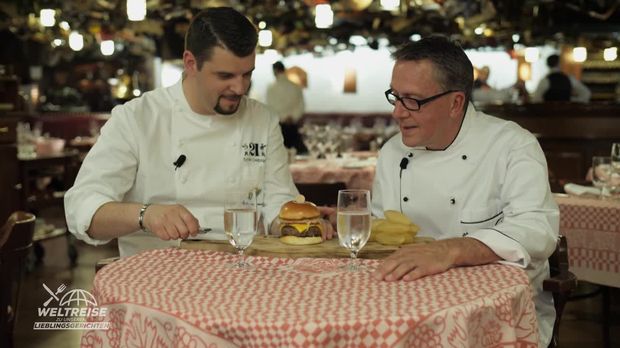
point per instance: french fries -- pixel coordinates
(395, 229)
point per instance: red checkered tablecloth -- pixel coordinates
(592, 230)
(177, 297)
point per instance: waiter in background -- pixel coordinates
(286, 98)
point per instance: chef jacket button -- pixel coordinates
(465, 234)
(406, 199)
(410, 155)
(452, 201)
(464, 157)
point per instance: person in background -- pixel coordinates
(475, 183)
(483, 92)
(558, 86)
(483, 76)
(165, 161)
(286, 98)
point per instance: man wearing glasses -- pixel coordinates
(475, 183)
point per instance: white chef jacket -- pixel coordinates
(286, 98)
(132, 161)
(491, 184)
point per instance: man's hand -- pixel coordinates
(170, 222)
(329, 221)
(415, 261)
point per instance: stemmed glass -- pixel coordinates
(353, 223)
(241, 222)
(615, 170)
(601, 173)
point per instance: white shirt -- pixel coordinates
(286, 98)
(132, 161)
(580, 93)
(491, 184)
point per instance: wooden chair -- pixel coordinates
(561, 283)
(321, 193)
(15, 244)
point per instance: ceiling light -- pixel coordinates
(136, 10)
(357, 40)
(415, 37)
(47, 17)
(64, 25)
(324, 17)
(479, 30)
(265, 38)
(610, 53)
(56, 42)
(76, 41)
(107, 47)
(531, 54)
(580, 54)
(262, 25)
(516, 37)
(390, 5)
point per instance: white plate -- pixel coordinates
(359, 164)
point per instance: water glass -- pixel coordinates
(241, 222)
(353, 212)
(601, 173)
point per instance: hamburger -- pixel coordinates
(300, 222)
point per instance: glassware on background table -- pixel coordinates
(241, 222)
(614, 181)
(353, 211)
(601, 173)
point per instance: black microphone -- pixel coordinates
(179, 162)
(404, 163)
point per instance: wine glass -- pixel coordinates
(601, 173)
(241, 222)
(353, 223)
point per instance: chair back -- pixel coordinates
(321, 193)
(15, 243)
(560, 283)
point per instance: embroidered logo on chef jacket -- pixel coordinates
(254, 152)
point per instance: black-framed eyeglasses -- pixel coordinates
(413, 104)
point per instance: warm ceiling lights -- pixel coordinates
(136, 10)
(265, 38)
(324, 17)
(390, 5)
(76, 41)
(580, 54)
(610, 53)
(107, 47)
(47, 17)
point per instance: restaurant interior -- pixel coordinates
(65, 64)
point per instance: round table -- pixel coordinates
(178, 297)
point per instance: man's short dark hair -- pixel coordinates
(278, 67)
(553, 60)
(453, 70)
(223, 27)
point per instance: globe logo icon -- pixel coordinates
(78, 296)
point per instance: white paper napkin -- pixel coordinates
(579, 190)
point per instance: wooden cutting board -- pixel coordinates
(271, 246)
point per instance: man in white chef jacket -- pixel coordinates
(164, 162)
(476, 183)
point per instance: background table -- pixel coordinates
(178, 297)
(592, 230)
(331, 171)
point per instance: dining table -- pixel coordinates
(592, 229)
(356, 170)
(195, 298)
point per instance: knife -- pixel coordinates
(50, 292)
